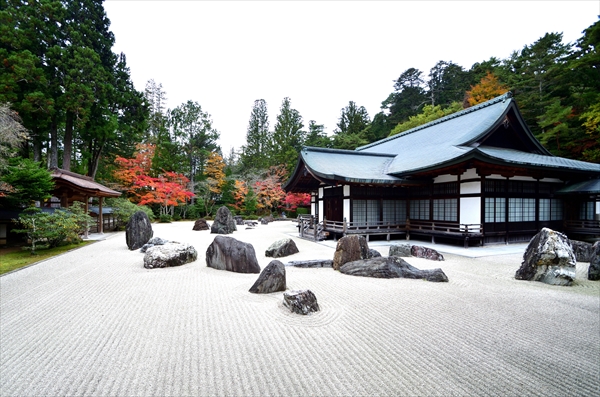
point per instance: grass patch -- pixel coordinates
(15, 260)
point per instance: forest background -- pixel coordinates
(68, 101)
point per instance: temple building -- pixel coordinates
(478, 176)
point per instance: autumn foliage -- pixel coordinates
(488, 88)
(169, 189)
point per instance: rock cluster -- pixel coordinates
(227, 253)
(407, 250)
(138, 230)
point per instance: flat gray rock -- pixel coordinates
(391, 267)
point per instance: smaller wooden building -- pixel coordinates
(70, 186)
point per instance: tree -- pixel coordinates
(28, 181)
(316, 135)
(288, 137)
(488, 88)
(269, 193)
(447, 83)
(408, 97)
(255, 154)
(193, 133)
(351, 126)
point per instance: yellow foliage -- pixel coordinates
(488, 88)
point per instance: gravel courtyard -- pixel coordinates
(95, 322)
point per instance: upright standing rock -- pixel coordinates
(548, 258)
(594, 269)
(582, 250)
(271, 279)
(138, 230)
(227, 253)
(349, 249)
(224, 222)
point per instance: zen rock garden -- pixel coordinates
(550, 257)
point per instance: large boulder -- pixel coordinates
(152, 242)
(224, 222)
(301, 302)
(582, 250)
(401, 250)
(201, 224)
(138, 230)
(594, 269)
(349, 249)
(426, 253)
(227, 253)
(548, 258)
(281, 248)
(391, 267)
(169, 254)
(271, 279)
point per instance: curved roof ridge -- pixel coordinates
(344, 151)
(471, 109)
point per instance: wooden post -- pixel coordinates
(87, 212)
(100, 217)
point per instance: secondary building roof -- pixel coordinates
(78, 187)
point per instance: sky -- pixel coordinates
(321, 54)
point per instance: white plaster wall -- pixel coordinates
(347, 209)
(470, 187)
(445, 178)
(320, 211)
(346, 190)
(470, 210)
(320, 192)
(551, 180)
(471, 173)
(598, 210)
(522, 178)
(495, 176)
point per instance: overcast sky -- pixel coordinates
(226, 54)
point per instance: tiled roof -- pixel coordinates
(537, 160)
(585, 187)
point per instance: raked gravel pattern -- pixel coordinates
(94, 322)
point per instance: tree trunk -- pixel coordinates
(94, 159)
(53, 152)
(68, 142)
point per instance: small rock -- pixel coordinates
(152, 242)
(582, 250)
(401, 250)
(281, 248)
(594, 269)
(201, 224)
(426, 253)
(373, 253)
(301, 302)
